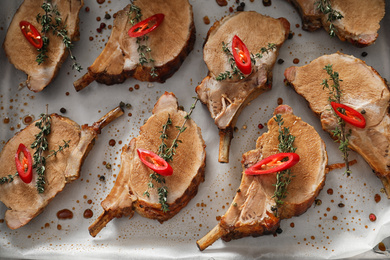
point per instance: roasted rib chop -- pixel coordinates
(23, 55)
(170, 44)
(188, 165)
(250, 212)
(23, 200)
(226, 99)
(359, 26)
(363, 89)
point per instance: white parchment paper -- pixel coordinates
(325, 231)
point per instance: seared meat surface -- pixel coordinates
(188, 165)
(23, 200)
(226, 99)
(364, 90)
(170, 44)
(23, 55)
(250, 213)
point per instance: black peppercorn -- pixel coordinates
(279, 230)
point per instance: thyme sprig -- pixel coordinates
(233, 66)
(144, 51)
(283, 178)
(340, 132)
(259, 55)
(145, 54)
(138, 14)
(60, 149)
(235, 70)
(58, 28)
(167, 154)
(325, 7)
(8, 179)
(41, 145)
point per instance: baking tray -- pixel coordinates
(315, 234)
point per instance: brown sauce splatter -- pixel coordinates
(28, 119)
(381, 246)
(330, 191)
(206, 20)
(100, 1)
(59, 227)
(88, 213)
(136, 86)
(296, 61)
(6, 120)
(112, 142)
(65, 214)
(260, 126)
(292, 224)
(280, 101)
(221, 2)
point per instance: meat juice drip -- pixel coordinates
(381, 246)
(88, 213)
(377, 198)
(206, 20)
(280, 101)
(100, 1)
(330, 191)
(65, 214)
(6, 120)
(221, 2)
(112, 142)
(28, 119)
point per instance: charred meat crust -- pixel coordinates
(165, 70)
(309, 23)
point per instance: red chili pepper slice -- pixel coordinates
(25, 176)
(32, 34)
(146, 26)
(154, 162)
(351, 116)
(275, 162)
(241, 55)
